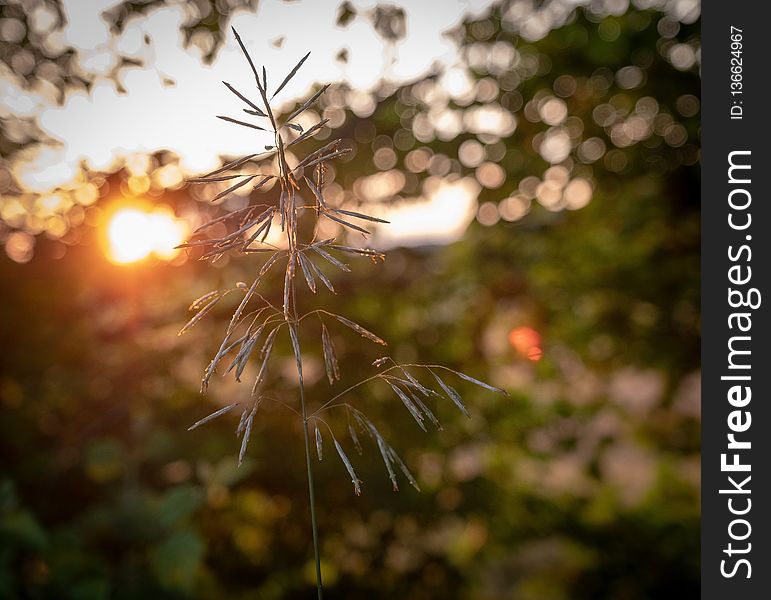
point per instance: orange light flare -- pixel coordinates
(134, 230)
(527, 342)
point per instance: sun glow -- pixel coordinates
(527, 342)
(134, 232)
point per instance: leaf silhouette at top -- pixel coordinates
(308, 103)
(248, 58)
(291, 74)
(242, 123)
(256, 108)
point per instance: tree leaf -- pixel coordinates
(179, 504)
(176, 560)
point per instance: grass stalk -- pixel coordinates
(309, 469)
(311, 494)
(303, 256)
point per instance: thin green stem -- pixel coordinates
(311, 494)
(291, 316)
(306, 435)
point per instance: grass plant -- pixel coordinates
(257, 322)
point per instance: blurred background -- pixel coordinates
(538, 161)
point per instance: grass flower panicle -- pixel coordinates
(256, 322)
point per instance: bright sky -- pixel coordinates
(104, 126)
(168, 98)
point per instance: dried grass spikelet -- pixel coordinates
(299, 194)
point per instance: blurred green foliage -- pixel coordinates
(583, 484)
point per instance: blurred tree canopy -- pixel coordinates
(583, 484)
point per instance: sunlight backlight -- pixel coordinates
(439, 216)
(527, 342)
(133, 233)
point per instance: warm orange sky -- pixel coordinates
(167, 97)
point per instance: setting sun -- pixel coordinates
(134, 232)
(527, 342)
